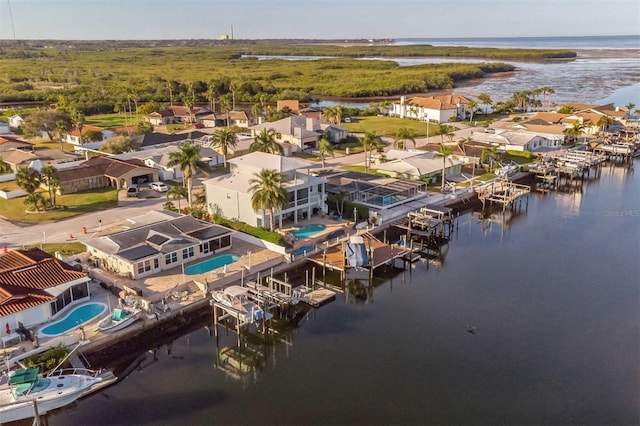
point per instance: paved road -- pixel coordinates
(19, 235)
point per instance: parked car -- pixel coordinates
(133, 191)
(198, 126)
(159, 186)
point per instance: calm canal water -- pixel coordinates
(553, 295)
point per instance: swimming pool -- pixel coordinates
(309, 230)
(78, 316)
(211, 264)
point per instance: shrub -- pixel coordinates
(262, 233)
(48, 359)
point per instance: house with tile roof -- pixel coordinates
(230, 193)
(433, 109)
(155, 140)
(158, 241)
(74, 137)
(35, 287)
(299, 133)
(100, 172)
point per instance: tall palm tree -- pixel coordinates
(485, 98)
(177, 192)
(329, 114)
(78, 120)
(490, 154)
(50, 177)
(189, 160)
(445, 152)
(575, 131)
(472, 106)
(369, 141)
(28, 179)
(325, 147)
(265, 141)
(547, 92)
(224, 139)
(267, 193)
(403, 135)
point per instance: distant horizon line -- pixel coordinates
(341, 39)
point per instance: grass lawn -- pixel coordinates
(388, 126)
(9, 186)
(75, 205)
(108, 120)
(68, 249)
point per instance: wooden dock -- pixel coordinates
(501, 191)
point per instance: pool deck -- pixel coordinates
(157, 289)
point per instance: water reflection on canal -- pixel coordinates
(551, 293)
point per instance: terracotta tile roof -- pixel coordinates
(25, 274)
(438, 102)
(549, 117)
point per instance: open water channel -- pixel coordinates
(553, 294)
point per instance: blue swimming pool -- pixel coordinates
(79, 315)
(309, 230)
(211, 264)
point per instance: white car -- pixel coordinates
(159, 186)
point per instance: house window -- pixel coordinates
(207, 247)
(170, 258)
(144, 266)
(225, 241)
(187, 253)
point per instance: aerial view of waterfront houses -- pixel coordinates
(111, 238)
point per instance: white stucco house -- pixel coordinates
(73, 137)
(230, 193)
(15, 120)
(433, 109)
(299, 133)
(418, 165)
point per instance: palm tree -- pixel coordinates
(472, 106)
(444, 152)
(177, 192)
(4, 167)
(443, 130)
(604, 122)
(486, 100)
(267, 193)
(575, 131)
(339, 198)
(189, 160)
(49, 176)
(403, 135)
(490, 154)
(265, 141)
(325, 147)
(369, 141)
(78, 120)
(28, 179)
(339, 111)
(34, 199)
(224, 139)
(329, 114)
(547, 92)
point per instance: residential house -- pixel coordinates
(292, 104)
(433, 109)
(158, 241)
(159, 159)
(298, 133)
(224, 119)
(100, 172)
(175, 114)
(231, 194)
(376, 192)
(35, 287)
(73, 137)
(532, 135)
(418, 165)
(15, 121)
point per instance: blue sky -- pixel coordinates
(328, 19)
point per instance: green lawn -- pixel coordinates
(68, 249)
(388, 126)
(74, 205)
(109, 120)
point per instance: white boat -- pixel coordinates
(237, 299)
(119, 319)
(22, 388)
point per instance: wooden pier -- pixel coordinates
(501, 191)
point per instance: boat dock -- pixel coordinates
(501, 191)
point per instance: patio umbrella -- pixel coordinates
(8, 328)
